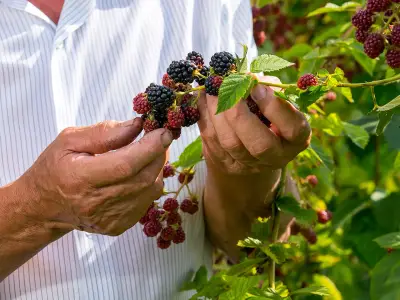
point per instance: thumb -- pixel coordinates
(104, 136)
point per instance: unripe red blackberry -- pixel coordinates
(361, 35)
(160, 97)
(152, 228)
(168, 170)
(163, 244)
(324, 216)
(378, 5)
(181, 71)
(255, 11)
(259, 38)
(171, 204)
(222, 63)
(307, 81)
(168, 233)
(396, 35)
(186, 205)
(192, 115)
(176, 132)
(195, 208)
(205, 71)
(374, 45)
(259, 25)
(212, 84)
(140, 104)
(389, 250)
(143, 220)
(180, 236)
(150, 125)
(174, 218)
(330, 96)
(168, 82)
(363, 20)
(312, 180)
(182, 176)
(310, 235)
(153, 214)
(196, 58)
(393, 58)
(176, 118)
(266, 10)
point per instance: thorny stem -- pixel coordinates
(275, 217)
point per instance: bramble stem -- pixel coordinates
(199, 88)
(280, 85)
(371, 83)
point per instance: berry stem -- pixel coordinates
(189, 191)
(387, 24)
(197, 73)
(371, 83)
(199, 88)
(283, 86)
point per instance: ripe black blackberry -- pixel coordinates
(196, 58)
(395, 36)
(378, 5)
(160, 97)
(374, 45)
(160, 116)
(205, 71)
(361, 35)
(393, 58)
(181, 71)
(222, 63)
(307, 81)
(212, 84)
(192, 115)
(363, 20)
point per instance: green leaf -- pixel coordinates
(334, 293)
(367, 63)
(331, 8)
(250, 243)
(314, 290)
(239, 287)
(289, 205)
(280, 252)
(242, 64)
(310, 96)
(381, 288)
(323, 73)
(199, 281)
(298, 50)
(322, 155)
(391, 105)
(215, 287)
(384, 119)
(262, 3)
(397, 162)
(390, 240)
(244, 266)
(357, 134)
(192, 155)
(331, 125)
(269, 63)
(346, 92)
(339, 74)
(233, 88)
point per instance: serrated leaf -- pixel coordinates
(312, 290)
(367, 63)
(269, 63)
(281, 95)
(384, 119)
(381, 288)
(323, 73)
(192, 155)
(331, 124)
(346, 92)
(280, 252)
(289, 205)
(233, 89)
(331, 82)
(198, 282)
(310, 96)
(323, 156)
(239, 287)
(331, 8)
(244, 66)
(215, 287)
(357, 134)
(391, 105)
(244, 266)
(334, 293)
(249, 243)
(390, 240)
(267, 294)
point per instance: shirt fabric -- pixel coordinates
(85, 70)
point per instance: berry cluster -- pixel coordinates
(165, 222)
(378, 28)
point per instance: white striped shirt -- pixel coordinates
(85, 70)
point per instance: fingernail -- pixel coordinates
(259, 93)
(166, 138)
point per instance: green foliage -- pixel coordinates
(192, 155)
(269, 63)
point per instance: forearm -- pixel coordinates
(232, 203)
(23, 232)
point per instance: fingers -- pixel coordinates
(102, 137)
(291, 123)
(129, 161)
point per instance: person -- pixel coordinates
(73, 186)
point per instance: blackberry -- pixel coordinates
(310, 235)
(374, 45)
(196, 58)
(259, 25)
(168, 233)
(163, 244)
(192, 115)
(186, 99)
(168, 171)
(168, 82)
(396, 35)
(255, 11)
(363, 19)
(393, 58)
(312, 180)
(176, 117)
(160, 116)
(181, 71)
(179, 236)
(176, 132)
(324, 216)
(330, 96)
(307, 81)
(153, 214)
(143, 220)
(140, 104)
(182, 177)
(361, 35)
(222, 62)
(186, 205)
(174, 218)
(212, 84)
(171, 204)
(378, 5)
(150, 125)
(205, 71)
(152, 228)
(160, 97)
(194, 209)
(259, 38)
